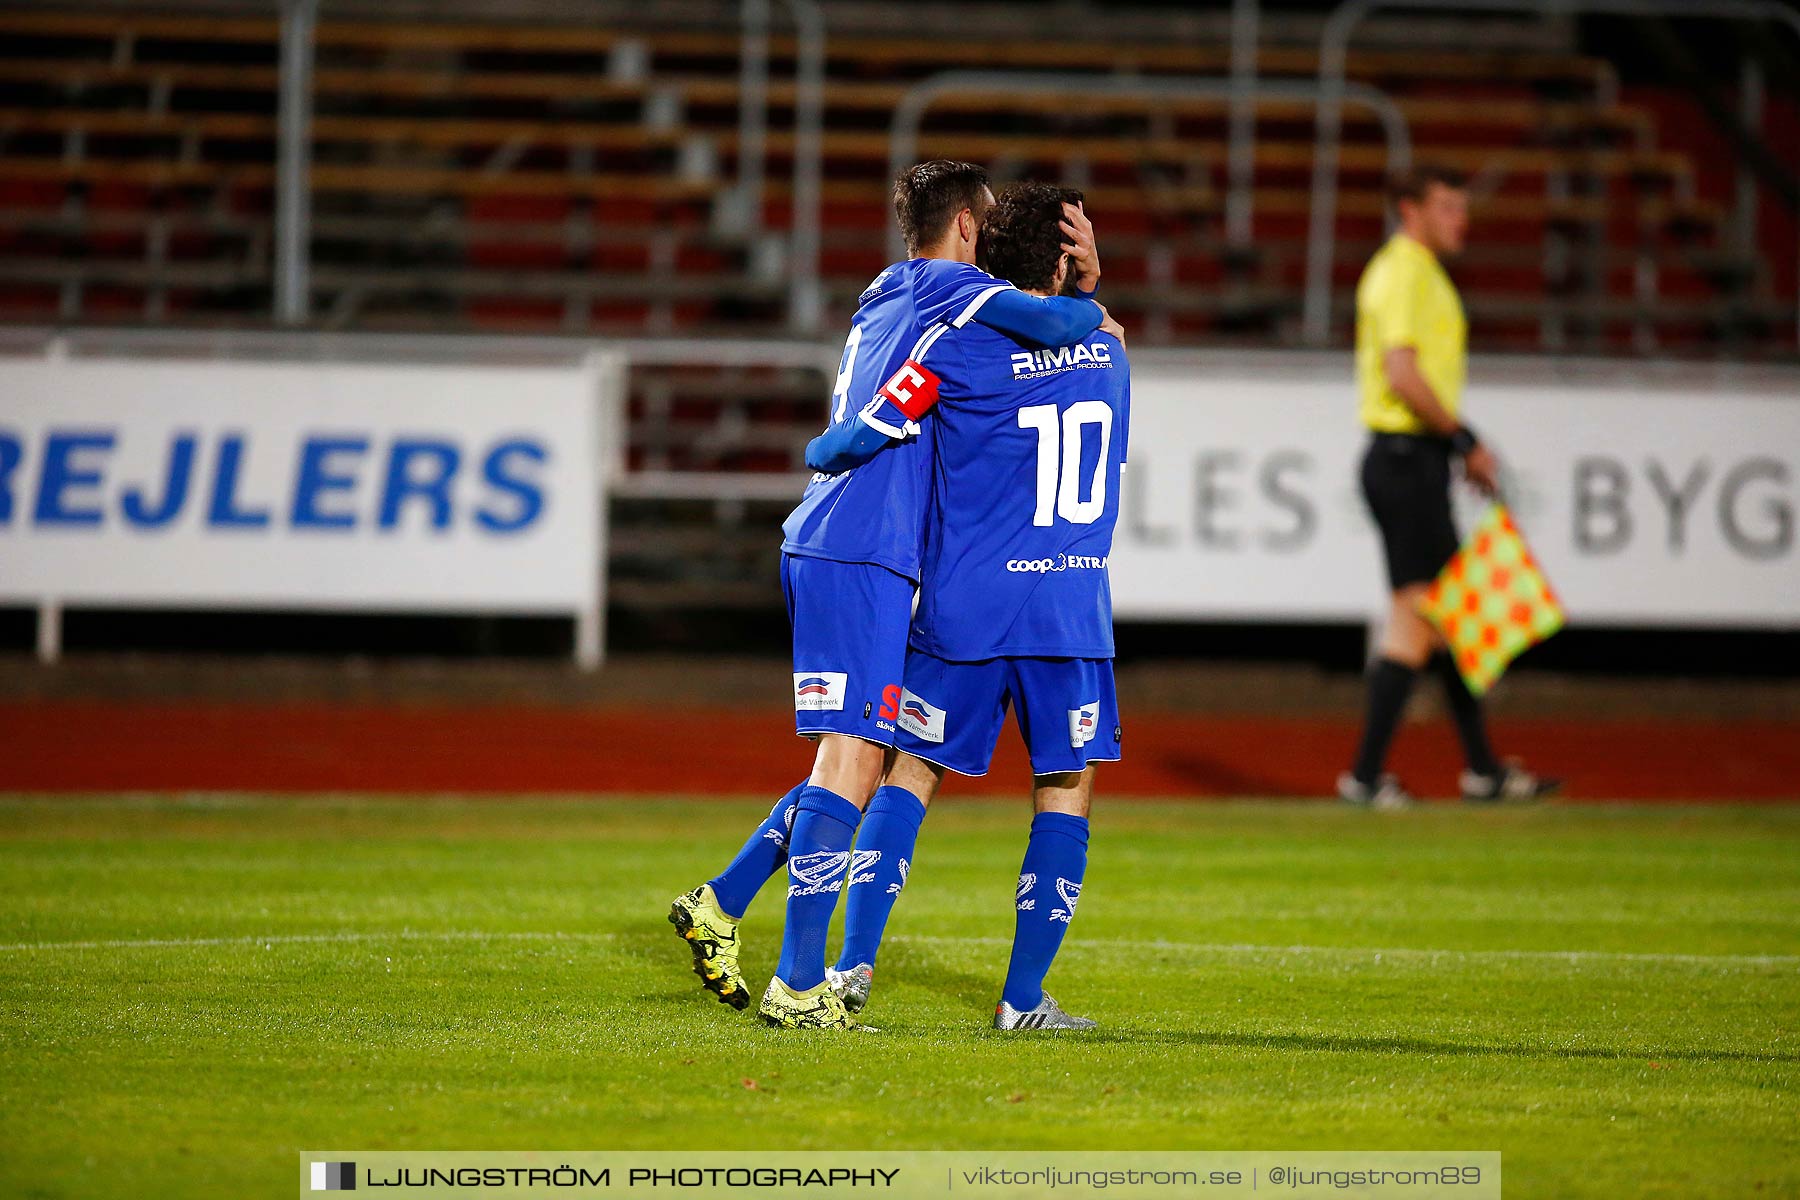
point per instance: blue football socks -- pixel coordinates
(818, 855)
(764, 854)
(884, 850)
(1049, 886)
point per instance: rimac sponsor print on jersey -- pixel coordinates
(1029, 450)
(1033, 364)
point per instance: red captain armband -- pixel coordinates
(913, 389)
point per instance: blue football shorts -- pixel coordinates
(951, 713)
(850, 625)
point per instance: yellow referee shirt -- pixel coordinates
(1406, 299)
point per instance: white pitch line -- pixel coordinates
(448, 935)
(1568, 956)
(1128, 945)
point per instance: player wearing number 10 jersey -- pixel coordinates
(1015, 606)
(1029, 448)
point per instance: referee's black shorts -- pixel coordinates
(1406, 483)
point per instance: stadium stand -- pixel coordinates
(478, 175)
(582, 179)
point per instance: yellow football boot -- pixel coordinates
(712, 936)
(815, 1008)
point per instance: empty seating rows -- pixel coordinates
(584, 179)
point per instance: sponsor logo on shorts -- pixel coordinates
(1083, 722)
(820, 691)
(920, 718)
(1062, 562)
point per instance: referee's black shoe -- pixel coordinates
(1513, 785)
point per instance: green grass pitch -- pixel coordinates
(195, 990)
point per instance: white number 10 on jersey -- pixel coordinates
(1059, 458)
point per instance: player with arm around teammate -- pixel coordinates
(850, 563)
(1015, 604)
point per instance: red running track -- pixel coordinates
(89, 746)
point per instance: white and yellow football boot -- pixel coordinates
(712, 936)
(815, 1008)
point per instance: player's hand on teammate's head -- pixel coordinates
(1078, 244)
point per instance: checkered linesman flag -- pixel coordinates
(1491, 601)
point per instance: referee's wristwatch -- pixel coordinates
(1463, 441)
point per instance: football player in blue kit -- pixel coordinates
(850, 569)
(1015, 605)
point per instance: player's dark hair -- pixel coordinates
(1412, 185)
(1021, 237)
(928, 195)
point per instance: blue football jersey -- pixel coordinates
(1030, 446)
(876, 512)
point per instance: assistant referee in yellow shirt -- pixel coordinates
(1411, 360)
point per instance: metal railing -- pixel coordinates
(293, 276)
(805, 297)
(293, 191)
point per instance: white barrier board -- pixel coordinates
(300, 485)
(1646, 506)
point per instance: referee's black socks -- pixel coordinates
(1465, 710)
(1390, 683)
